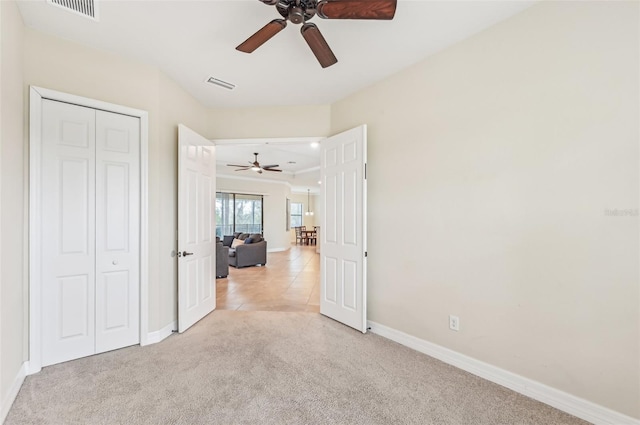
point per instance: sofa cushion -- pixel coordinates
(236, 242)
(232, 252)
(257, 237)
(243, 236)
(236, 234)
(248, 240)
(228, 240)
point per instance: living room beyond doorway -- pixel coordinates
(290, 281)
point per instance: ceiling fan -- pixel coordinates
(255, 166)
(300, 11)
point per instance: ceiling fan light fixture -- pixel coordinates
(309, 212)
(296, 15)
(255, 166)
(301, 11)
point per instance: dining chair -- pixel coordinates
(300, 236)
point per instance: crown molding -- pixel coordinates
(268, 140)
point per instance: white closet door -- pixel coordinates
(68, 232)
(117, 231)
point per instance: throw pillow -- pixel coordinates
(248, 240)
(236, 242)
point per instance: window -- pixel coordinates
(296, 214)
(236, 212)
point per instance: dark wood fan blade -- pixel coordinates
(271, 166)
(262, 35)
(318, 45)
(272, 169)
(236, 165)
(356, 9)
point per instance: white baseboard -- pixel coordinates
(7, 402)
(157, 336)
(561, 400)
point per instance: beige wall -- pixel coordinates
(274, 197)
(175, 107)
(12, 156)
(276, 121)
(498, 157)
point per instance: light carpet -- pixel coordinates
(237, 367)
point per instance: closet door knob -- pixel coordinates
(185, 253)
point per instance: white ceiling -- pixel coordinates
(192, 40)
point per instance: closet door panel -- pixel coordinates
(117, 231)
(68, 237)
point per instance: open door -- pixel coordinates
(343, 262)
(196, 227)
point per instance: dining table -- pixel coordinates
(309, 235)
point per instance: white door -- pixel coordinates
(196, 227)
(90, 231)
(343, 272)
(117, 231)
(68, 227)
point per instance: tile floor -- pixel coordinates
(289, 282)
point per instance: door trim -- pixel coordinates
(36, 96)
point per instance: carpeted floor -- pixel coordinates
(239, 367)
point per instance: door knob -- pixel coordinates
(185, 253)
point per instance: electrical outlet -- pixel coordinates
(454, 322)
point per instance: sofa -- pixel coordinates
(222, 259)
(246, 249)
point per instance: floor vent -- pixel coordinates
(86, 8)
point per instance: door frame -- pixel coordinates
(36, 96)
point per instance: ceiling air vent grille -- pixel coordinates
(86, 8)
(221, 83)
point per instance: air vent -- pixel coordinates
(218, 82)
(86, 8)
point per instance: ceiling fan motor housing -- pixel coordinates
(296, 11)
(296, 15)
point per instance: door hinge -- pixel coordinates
(365, 170)
(365, 254)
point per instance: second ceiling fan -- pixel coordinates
(300, 11)
(255, 166)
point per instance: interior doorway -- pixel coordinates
(343, 230)
(289, 281)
